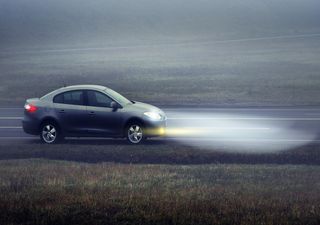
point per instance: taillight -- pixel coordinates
(30, 108)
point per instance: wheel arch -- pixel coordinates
(131, 121)
(51, 120)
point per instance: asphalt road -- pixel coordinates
(288, 125)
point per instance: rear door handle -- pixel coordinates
(92, 113)
(62, 111)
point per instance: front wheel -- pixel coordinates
(135, 134)
(50, 133)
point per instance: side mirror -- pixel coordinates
(114, 105)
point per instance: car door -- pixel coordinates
(71, 112)
(103, 120)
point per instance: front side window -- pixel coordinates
(98, 99)
(70, 97)
(119, 98)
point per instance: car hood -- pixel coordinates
(143, 107)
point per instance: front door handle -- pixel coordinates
(62, 111)
(92, 113)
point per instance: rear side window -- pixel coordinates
(70, 97)
(58, 98)
(98, 99)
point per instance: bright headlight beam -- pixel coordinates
(153, 115)
(239, 132)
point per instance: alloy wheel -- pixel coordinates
(49, 133)
(135, 134)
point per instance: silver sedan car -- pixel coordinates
(91, 111)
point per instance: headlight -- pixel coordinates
(153, 115)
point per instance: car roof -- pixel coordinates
(73, 88)
(84, 86)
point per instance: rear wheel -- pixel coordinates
(50, 133)
(135, 134)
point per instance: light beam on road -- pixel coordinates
(241, 133)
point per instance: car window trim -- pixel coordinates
(62, 93)
(85, 97)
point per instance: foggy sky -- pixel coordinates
(54, 23)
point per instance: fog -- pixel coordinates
(172, 52)
(235, 132)
(81, 23)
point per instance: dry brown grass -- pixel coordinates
(57, 192)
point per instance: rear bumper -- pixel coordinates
(30, 127)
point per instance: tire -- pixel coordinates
(50, 133)
(135, 134)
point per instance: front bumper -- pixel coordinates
(155, 128)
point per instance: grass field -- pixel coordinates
(108, 182)
(59, 192)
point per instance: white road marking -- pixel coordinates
(206, 128)
(14, 108)
(214, 109)
(234, 128)
(240, 109)
(10, 118)
(35, 137)
(312, 114)
(243, 118)
(216, 118)
(242, 139)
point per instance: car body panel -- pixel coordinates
(71, 118)
(103, 121)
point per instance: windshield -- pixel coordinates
(116, 96)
